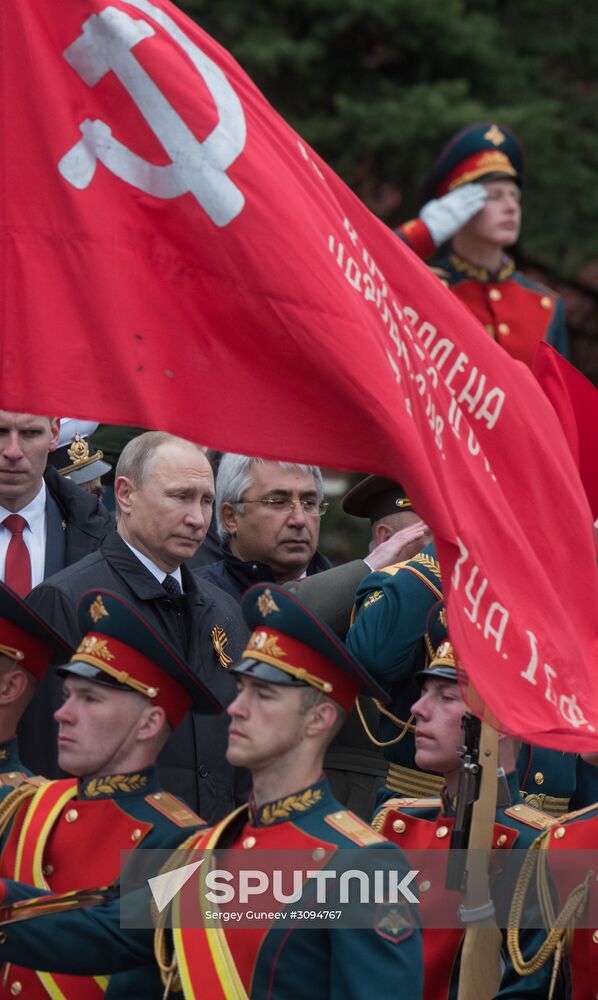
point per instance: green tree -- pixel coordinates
(377, 89)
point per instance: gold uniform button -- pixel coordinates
(442, 831)
(399, 826)
(490, 329)
(495, 295)
(504, 328)
(425, 885)
(2, 937)
(318, 854)
(539, 778)
(501, 840)
(249, 842)
(595, 937)
(559, 833)
(71, 816)
(546, 302)
(48, 870)
(136, 835)
(16, 988)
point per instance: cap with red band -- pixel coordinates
(24, 636)
(120, 649)
(290, 645)
(483, 150)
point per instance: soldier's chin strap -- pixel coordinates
(480, 968)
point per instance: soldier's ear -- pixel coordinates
(228, 518)
(321, 718)
(382, 532)
(152, 723)
(13, 683)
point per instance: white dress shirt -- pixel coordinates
(34, 535)
(160, 574)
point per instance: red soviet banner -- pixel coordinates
(173, 255)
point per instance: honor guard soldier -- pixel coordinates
(27, 646)
(473, 195)
(124, 691)
(564, 856)
(389, 637)
(295, 684)
(426, 824)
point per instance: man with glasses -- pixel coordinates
(268, 516)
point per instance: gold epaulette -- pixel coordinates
(354, 828)
(392, 569)
(37, 780)
(431, 802)
(13, 801)
(174, 810)
(12, 779)
(530, 816)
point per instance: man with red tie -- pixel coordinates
(46, 522)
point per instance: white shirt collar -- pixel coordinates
(159, 574)
(34, 513)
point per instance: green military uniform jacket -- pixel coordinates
(69, 836)
(329, 964)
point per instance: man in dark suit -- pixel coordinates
(164, 493)
(51, 522)
(46, 523)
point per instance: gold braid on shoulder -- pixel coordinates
(10, 805)
(559, 934)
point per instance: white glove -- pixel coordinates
(443, 217)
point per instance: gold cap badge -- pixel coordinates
(266, 604)
(495, 136)
(97, 610)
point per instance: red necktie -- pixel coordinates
(17, 569)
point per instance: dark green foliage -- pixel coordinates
(377, 87)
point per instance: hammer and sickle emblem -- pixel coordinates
(197, 168)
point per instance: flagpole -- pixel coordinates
(480, 967)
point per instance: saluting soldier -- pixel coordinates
(426, 824)
(27, 646)
(125, 690)
(294, 686)
(473, 194)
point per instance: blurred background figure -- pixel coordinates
(77, 459)
(473, 198)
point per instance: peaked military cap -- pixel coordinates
(477, 152)
(289, 644)
(25, 637)
(442, 658)
(79, 460)
(375, 497)
(121, 649)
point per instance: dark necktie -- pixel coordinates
(17, 568)
(171, 586)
